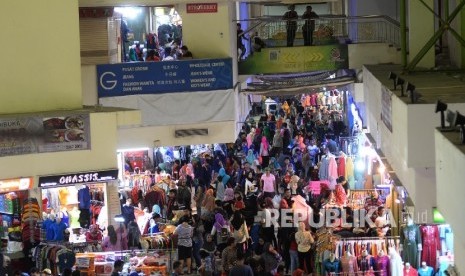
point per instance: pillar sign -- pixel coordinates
(202, 8)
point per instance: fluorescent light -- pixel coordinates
(119, 218)
(134, 149)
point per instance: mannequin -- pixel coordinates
(74, 217)
(425, 270)
(47, 226)
(331, 265)
(395, 261)
(409, 270)
(365, 261)
(349, 264)
(59, 229)
(64, 216)
(431, 244)
(382, 264)
(411, 242)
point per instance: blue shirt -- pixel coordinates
(58, 231)
(84, 198)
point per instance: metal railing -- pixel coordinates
(328, 30)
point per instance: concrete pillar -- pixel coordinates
(421, 29)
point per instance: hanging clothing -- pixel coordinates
(323, 169)
(382, 266)
(332, 172)
(395, 262)
(365, 262)
(430, 243)
(349, 265)
(410, 238)
(341, 166)
(341, 196)
(349, 172)
(427, 271)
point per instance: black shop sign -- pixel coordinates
(77, 178)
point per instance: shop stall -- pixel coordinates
(13, 193)
(79, 200)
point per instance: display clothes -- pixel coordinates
(74, 218)
(425, 271)
(84, 198)
(341, 166)
(331, 266)
(447, 238)
(349, 265)
(411, 240)
(58, 229)
(46, 225)
(430, 244)
(341, 196)
(395, 262)
(382, 266)
(365, 262)
(128, 213)
(332, 172)
(410, 272)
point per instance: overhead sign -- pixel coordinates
(27, 135)
(202, 8)
(16, 184)
(164, 77)
(77, 178)
(296, 59)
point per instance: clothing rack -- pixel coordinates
(373, 245)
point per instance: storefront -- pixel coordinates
(81, 199)
(13, 193)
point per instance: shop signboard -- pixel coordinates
(16, 184)
(202, 8)
(28, 135)
(296, 59)
(127, 79)
(386, 107)
(50, 181)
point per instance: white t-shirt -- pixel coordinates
(268, 183)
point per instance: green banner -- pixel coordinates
(296, 59)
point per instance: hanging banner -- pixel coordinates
(296, 59)
(27, 135)
(164, 77)
(386, 107)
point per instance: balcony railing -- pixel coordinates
(328, 30)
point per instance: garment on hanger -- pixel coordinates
(332, 172)
(349, 173)
(410, 238)
(382, 266)
(430, 244)
(349, 265)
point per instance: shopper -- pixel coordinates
(270, 259)
(304, 241)
(184, 233)
(116, 240)
(221, 230)
(229, 256)
(117, 267)
(134, 236)
(240, 269)
(241, 233)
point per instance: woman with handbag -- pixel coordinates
(241, 233)
(221, 230)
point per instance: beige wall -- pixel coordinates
(89, 84)
(209, 35)
(450, 190)
(156, 136)
(421, 29)
(372, 53)
(40, 66)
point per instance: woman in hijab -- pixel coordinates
(250, 158)
(250, 184)
(228, 201)
(208, 203)
(222, 231)
(265, 152)
(268, 232)
(241, 233)
(223, 179)
(270, 259)
(304, 241)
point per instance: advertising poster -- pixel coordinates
(296, 59)
(28, 135)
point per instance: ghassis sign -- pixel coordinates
(202, 8)
(77, 178)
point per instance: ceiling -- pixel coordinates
(151, 3)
